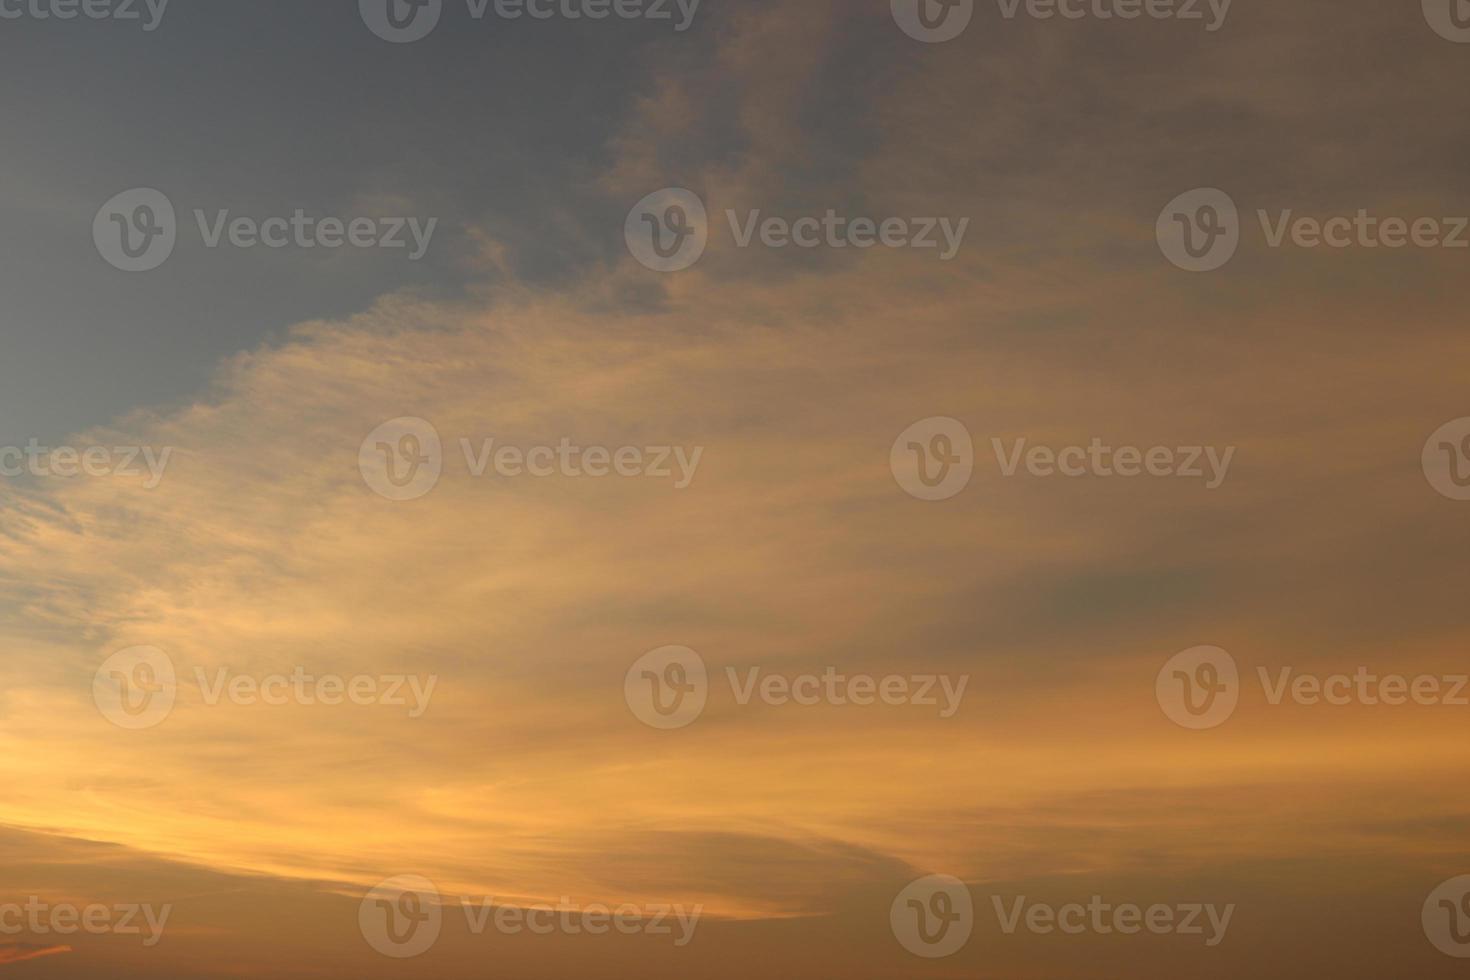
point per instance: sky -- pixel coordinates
(864, 622)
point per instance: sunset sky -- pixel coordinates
(528, 776)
